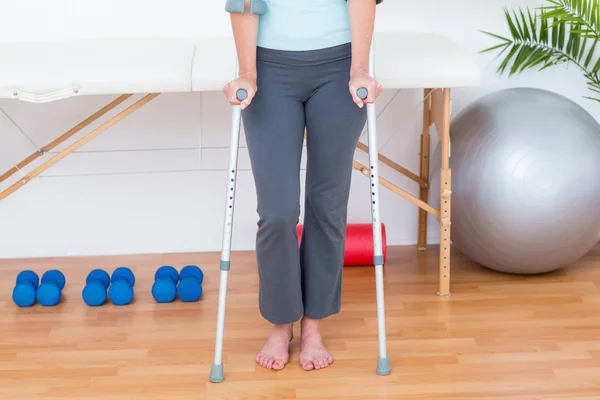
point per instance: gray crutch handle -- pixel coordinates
(241, 94)
(362, 93)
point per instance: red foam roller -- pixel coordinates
(359, 244)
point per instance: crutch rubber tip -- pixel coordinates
(362, 93)
(383, 366)
(216, 373)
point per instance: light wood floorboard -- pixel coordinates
(497, 337)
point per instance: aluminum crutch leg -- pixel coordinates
(216, 372)
(383, 363)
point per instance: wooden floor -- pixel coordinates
(497, 337)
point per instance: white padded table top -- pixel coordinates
(50, 71)
(47, 71)
(405, 60)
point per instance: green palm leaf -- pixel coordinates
(562, 32)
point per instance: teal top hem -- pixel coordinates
(300, 25)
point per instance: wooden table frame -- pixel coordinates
(436, 110)
(76, 145)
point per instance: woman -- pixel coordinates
(301, 63)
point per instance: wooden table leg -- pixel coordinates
(445, 197)
(85, 139)
(437, 112)
(424, 172)
(113, 104)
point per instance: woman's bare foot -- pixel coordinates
(275, 353)
(313, 355)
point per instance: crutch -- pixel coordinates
(383, 363)
(216, 372)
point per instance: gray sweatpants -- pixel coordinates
(300, 90)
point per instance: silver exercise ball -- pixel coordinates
(525, 181)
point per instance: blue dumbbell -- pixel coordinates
(190, 285)
(25, 288)
(164, 288)
(121, 288)
(96, 284)
(50, 290)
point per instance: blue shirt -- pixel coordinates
(304, 24)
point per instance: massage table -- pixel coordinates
(41, 72)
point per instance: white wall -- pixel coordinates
(156, 182)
